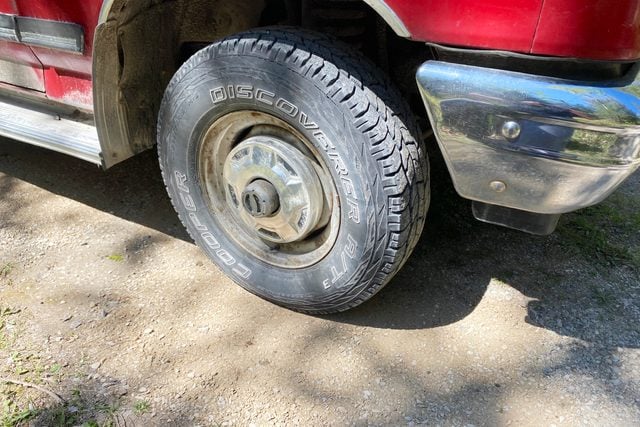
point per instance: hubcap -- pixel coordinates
(281, 197)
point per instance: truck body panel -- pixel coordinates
(66, 75)
(587, 29)
(489, 24)
(592, 29)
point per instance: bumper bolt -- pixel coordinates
(511, 130)
(498, 186)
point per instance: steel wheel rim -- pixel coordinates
(251, 154)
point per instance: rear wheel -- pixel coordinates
(294, 165)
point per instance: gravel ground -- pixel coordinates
(106, 303)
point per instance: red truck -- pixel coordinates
(288, 132)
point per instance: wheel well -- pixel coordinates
(140, 44)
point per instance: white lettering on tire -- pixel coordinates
(180, 180)
(220, 94)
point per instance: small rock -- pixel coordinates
(75, 324)
(96, 365)
(148, 331)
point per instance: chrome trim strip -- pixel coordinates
(390, 17)
(42, 32)
(8, 27)
(52, 34)
(537, 144)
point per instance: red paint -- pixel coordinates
(69, 88)
(488, 24)
(589, 29)
(596, 29)
(67, 75)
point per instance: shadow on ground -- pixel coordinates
(446, 279)
(441, 284)
(132, 190)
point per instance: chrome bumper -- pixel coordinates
(532, 143)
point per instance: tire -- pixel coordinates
(292, 128)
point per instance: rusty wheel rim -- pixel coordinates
(268, 188)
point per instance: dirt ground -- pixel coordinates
(110, 316)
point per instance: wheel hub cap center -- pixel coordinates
(260, 199)
(274, 189)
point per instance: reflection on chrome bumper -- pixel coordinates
(532, 143)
